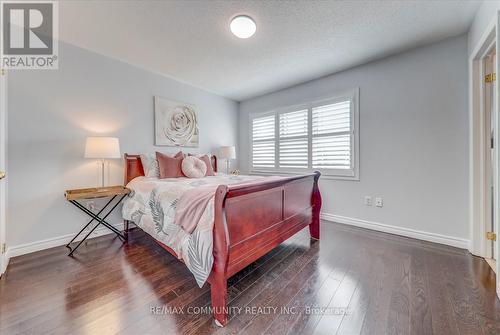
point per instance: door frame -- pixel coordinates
(4, 259)
(487, 94)
(478, 177)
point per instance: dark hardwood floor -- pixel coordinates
(354, 281)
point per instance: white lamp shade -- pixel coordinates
(102, 147)
(227, 152)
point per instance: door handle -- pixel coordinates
(2, 175)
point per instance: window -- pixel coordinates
(293, 140)
(321, 135)
(263, 142)
(331, 136)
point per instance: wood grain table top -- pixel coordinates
(95, 192)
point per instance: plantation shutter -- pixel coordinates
(331, 136)
(293, 139)
(263, 142)
(321, 135)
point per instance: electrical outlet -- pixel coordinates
(379, 202)
(368, 200)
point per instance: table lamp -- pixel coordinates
(227, 153)
(102, 148)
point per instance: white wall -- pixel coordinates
(485, 14)
(414, 133)
(51, 113)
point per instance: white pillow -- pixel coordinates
(193, 167)
(150, 165)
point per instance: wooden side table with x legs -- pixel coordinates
(74, 196)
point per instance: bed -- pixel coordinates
(246, 218)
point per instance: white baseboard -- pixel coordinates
(407, 232)
(22, 249)
(27, 248)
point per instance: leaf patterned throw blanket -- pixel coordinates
(152, 206)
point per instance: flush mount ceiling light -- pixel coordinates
(243, 26)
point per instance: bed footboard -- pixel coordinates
(251, 220)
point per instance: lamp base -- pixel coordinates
(102, 172)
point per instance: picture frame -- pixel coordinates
(176, 123)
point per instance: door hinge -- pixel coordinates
(489, 78)
(4, 247)
(492, 143)
(491, 236)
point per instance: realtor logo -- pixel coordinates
(29, 35)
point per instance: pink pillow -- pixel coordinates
(179, 154)
(170, 167)
(193, 167)
(208, 163)
(150, 164)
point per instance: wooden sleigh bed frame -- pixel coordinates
(250, 221)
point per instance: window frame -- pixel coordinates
(340, 174)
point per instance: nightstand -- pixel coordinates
(113, 192)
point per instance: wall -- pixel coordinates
(413, 139)
(485, 14)
(51, 113)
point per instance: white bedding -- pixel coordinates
(152, 204)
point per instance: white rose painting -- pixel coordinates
(175, 123)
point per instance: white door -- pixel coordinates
(3, 165)
(494, 109)
(496, 93)
(490, 119)
(491, 154)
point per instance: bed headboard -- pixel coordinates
(133, 167)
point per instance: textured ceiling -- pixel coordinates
(295, 41)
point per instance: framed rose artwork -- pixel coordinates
(176, 124)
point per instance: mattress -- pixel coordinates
(152, 206)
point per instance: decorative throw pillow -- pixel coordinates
(193, 167)
(170, 167)
(206, 159)
(150, 164)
